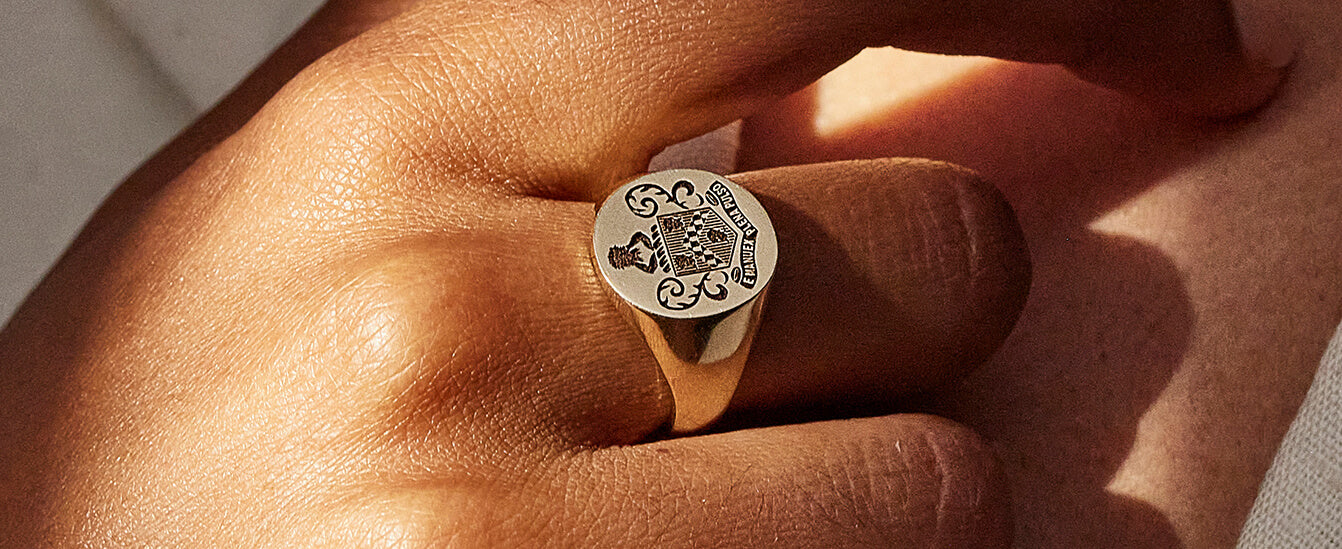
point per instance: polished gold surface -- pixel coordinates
(688, 256)
(701, 359)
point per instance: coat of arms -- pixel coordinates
(703, 238)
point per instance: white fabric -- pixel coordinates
(207, 46)
(80, 106)
(91, 88)
(714, 151)
(1300, 502)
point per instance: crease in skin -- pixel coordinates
(905, 479)
(972, 235)
(932, 219)
(943, 494)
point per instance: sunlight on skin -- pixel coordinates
(879, 79)
(1232, 223)
(1223, 218)
(1145, 474)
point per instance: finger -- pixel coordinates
(894, 276)
(898, 481)
(1185, 56)
(567, 100)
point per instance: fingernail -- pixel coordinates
(1263, 32)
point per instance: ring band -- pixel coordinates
(688, 255)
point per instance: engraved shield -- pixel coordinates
(697, 241)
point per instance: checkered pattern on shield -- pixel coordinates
(697, 241)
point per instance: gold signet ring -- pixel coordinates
(688, 255)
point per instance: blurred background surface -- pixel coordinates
(90, 88)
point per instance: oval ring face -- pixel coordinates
(684, 244)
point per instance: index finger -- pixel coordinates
(564, 100)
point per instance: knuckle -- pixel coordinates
(347, 90)
(408, 518)
(972, 261)
(937, 485)
(406, 315)
(399, 99)
(993, 243)
(948, 217)
(351, 124)
(994, 270)
(376, 314)
(361, 136)
(972, 503)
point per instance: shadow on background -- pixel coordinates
(1108, 318)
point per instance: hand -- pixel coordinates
(367, 316)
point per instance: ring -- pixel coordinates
(688, 256)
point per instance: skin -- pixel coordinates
(1185, 278)
(327, 315)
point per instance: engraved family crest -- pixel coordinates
(699, 243)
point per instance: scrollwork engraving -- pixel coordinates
(646, 199)
(702, 240)
(671, 292)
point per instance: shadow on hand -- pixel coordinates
(1108, 318)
